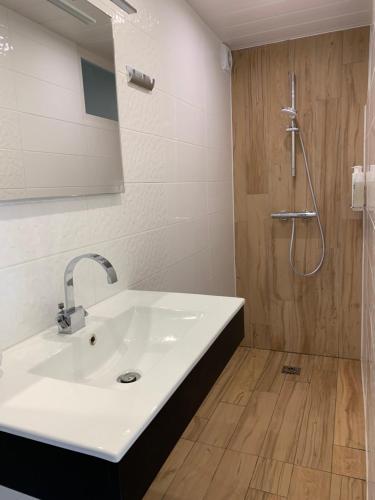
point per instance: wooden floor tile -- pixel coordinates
(169, 470)
(309, 484)
(272, 476)
(218, 390)
(221, 425)
(271, 380)
(252, 427)
(349, 462)
(347, 488)
(232, 478)
(244, 381)
(211, 401)
(282, 435)
(194, 477)
(195, 428)
(276, 444)
(350, 425)
(261, 495)
(233, 365)
(317, 431)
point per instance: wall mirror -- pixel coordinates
(59, 132)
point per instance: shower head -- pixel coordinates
(290, 111)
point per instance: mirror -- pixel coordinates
(59, 131)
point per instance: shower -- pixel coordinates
(294, 130)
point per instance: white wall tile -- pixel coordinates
(147, 158)
(191, 164)
(217, 161)
(35, 230)
(142, 207)
(189, 123)
(152, 113)
(219, 196)
(10, 136)
(186, 201)
(158, 233)
(12, 173)
(191, 275)
(7, 89)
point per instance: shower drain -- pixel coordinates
(128, 377)
(291, 370)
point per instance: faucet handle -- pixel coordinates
(62, 318)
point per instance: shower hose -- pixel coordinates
(293, 235)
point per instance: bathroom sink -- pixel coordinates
(52, 385)
(134, 341)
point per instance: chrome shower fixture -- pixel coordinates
(291, 112)
(293, 129)
(73, 11)
(124, 5)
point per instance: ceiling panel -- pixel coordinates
(247, 23)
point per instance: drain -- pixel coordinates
(128, 377)
(291, 370)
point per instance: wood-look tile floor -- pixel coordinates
(264, 435)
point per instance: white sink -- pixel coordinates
(61, 390)
(134, 341)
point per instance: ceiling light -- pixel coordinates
(124, 5)
(73, 11)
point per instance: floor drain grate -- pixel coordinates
(291, 370)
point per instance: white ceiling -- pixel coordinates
(247, 23)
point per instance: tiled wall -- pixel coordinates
(173, 227)
(368, 284)
(50, 142)
(319, 314)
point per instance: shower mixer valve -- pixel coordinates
(294, 215)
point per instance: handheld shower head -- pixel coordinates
(291, 112)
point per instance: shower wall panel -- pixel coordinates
(319, 314)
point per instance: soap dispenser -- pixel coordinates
(358, 188)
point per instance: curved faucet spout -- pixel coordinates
(68, 275)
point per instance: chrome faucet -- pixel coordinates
(71, 318)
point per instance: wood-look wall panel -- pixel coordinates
(329, 50)
(260, 335)
(257, 178)
(356, 43)
(241, 133)
(242, 281)
(259, 254)
(280, 184)
(320, 314)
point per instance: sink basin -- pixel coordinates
(134, 341)
(53, 385)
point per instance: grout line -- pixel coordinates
(303, 353)
(334, 424)
(252, 476)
